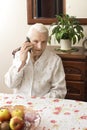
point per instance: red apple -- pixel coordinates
(4, 114)
(16, 123)
(17, 112)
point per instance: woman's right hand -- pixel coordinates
(26, 47)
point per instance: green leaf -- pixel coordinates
(74, 40)
(67, 27)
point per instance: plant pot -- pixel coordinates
(65, 44)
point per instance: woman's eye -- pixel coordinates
(44, 42)
(35, 41)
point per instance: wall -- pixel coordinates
(13, 29)
(77, 8)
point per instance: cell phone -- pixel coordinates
(27, 39)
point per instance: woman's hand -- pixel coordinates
(26, 47)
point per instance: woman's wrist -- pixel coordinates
(21, 66)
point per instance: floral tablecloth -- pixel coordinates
(56, 114)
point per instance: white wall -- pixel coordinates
(13, 29)
(77, 8)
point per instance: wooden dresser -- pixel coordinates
(75, 66)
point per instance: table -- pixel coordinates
(56, 114)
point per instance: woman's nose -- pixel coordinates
(39, 45)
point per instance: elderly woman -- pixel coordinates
(36, 71)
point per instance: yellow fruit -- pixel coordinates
(4, 114)
(16, 123)
(17, 112)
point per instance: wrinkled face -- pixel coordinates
(39, 41)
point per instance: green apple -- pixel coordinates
(17, 112)
(4, 114)
(16, 123)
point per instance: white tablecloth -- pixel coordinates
(56, 114)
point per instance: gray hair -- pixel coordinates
(39, 27)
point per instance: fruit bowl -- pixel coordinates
(19, 117)
(33, 125)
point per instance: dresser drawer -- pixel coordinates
(75, 90)
(74, 70)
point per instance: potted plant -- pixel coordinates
(67, 30)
